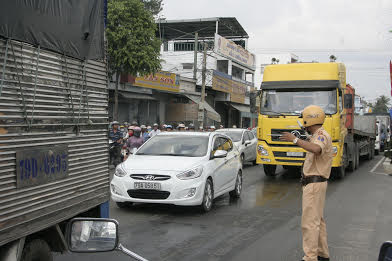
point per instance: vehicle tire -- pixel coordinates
(236, 193)
(124, 204)
(36, 250)
(353, 162)
(208, 197)
(269, 170)
(356, 155)
(254, 162)
(285, 167)
(339, 172)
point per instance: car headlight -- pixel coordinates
(191, 174)
(262, 151)
(120, 172)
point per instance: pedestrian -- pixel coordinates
(181, 127)
(212, 128)
(155, 130)
(316, 172)
(145, 134)
(136, 140)
(116, 140)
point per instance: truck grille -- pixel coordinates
(148, 194)
(276, 133)
(150, 177)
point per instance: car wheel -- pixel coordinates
(37, 249)
(236, 193)
(124, 204)
(208, 197)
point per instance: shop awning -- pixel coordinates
(139, 96)
(240, 107)
(211, 113)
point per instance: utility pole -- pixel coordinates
(203, 86)
(196, 49)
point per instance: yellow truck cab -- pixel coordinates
(286, 90)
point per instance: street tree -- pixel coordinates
(154, 6)
(381, 104)
(132, 45)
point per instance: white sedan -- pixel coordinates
(180, 168)
(245, 141)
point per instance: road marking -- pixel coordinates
(378, 163)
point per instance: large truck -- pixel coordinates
(53, 132)
(286, 90)
(383, 132)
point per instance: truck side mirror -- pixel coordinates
(385, 251)
(348, 101)
(87, 235)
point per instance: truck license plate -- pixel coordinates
(147, 185)
(295, 154)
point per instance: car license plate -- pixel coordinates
(148, 185)
(295, 154)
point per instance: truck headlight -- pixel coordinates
(120, 172)
(262, 151)
(334, 151)
(191, 174)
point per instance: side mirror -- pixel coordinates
(220, 154)
(385, 251)
(87, 235)
(248, 142)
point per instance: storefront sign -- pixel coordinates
(163, 81)
(234, 52)
(224, 83)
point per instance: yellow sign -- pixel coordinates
(235, 52)
(224, 83)
(163, 81)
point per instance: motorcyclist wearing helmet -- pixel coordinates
(136, 140)
(169, 128)
(191, 127)
(316, 172)
(145, 134)
(116, 139)
(155, 130)
(181, 127)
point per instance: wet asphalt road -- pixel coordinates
(263, 225)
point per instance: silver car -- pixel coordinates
(245, 141)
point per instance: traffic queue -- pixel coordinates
(125, 138)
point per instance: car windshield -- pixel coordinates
(234, 135)
(175, 145)
(293, 102)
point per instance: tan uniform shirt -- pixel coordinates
(319, 165)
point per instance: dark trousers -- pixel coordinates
(115, 155)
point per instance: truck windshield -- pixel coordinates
(290, 102)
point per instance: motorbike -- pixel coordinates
(91, 235)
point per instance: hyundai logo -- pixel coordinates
(149, 177)
(296, 133)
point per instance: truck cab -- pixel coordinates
(286, 90)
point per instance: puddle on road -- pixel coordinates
(272, 192)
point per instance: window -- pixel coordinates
(251, 135)
(221, 143)
(187, 66)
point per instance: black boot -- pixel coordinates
(322, 258)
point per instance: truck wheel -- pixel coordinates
(37, 250)
(270, 170)
(356, 156)
(339, 172)
(353, 162)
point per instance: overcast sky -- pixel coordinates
(356, 31)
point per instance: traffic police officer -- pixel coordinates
(316, 171)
